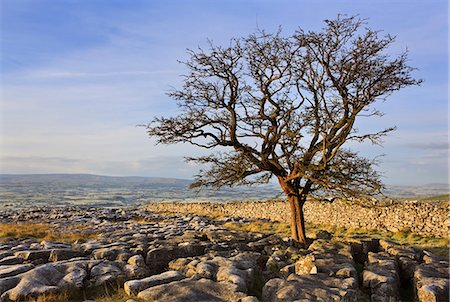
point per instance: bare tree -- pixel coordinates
(285, 107)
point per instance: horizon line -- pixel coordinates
(189, 179)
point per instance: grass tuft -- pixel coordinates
(259, 226)
(42, 231)
(105, 293)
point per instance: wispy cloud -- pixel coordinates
(82, 75)
(160, 166)
(74, 74)
(430, 145)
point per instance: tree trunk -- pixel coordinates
(296, 199)
(297, 220)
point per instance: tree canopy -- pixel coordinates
(286, 106)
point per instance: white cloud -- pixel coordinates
(158, 166)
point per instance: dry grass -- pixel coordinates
(259, 226)
(439, 246)
(115, 296)
(64, 296)
(43, 231)
(106, 293)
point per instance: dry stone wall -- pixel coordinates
(423, 218)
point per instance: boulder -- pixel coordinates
(136, 260)
(7, 283)
(203, 290)
(51, 278)
(49, 245)
(431, 281)
(306, 265)
(76, 274)
(436, 292)
(136, 267)
(206, 270)
(318, 287)
(10, 260)
(381, 277)
(158, 258)
(111, 253)
(32, 255)
(234, 275)
(429, 257)
(105, 272)
(361, 247)
(36, 282)
(133, 287)
(12, 270)
(64, 254)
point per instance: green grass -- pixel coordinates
(445, 197)
(432, 198)
(259, 226)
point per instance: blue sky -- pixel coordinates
(78, 76)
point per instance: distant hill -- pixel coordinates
(426, 190)
(96, 190)
(67, 181)
(158, 187)
(90, 180)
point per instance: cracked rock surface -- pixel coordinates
(184, 257)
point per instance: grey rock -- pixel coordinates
(41, 280)
(203, 290)
(307, 288)
(288, 269)
(136, 267)
(429, 257)
(180, 264)
(133, 287)
(431, 281)
(111, 253)
(233, 275)
(381, 277)
(205, 270)
(9, 260)
(436, 292)
(50, 245)
(362, 246)
(12, 270)
(76, 274)
(64, 254)
(33, 255)
(136, 260)
(158, 258)
(7, 283)
(105, 272)
(306, 265)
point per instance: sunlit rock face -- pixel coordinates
(187, 257)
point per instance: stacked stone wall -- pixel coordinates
(423, 218)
